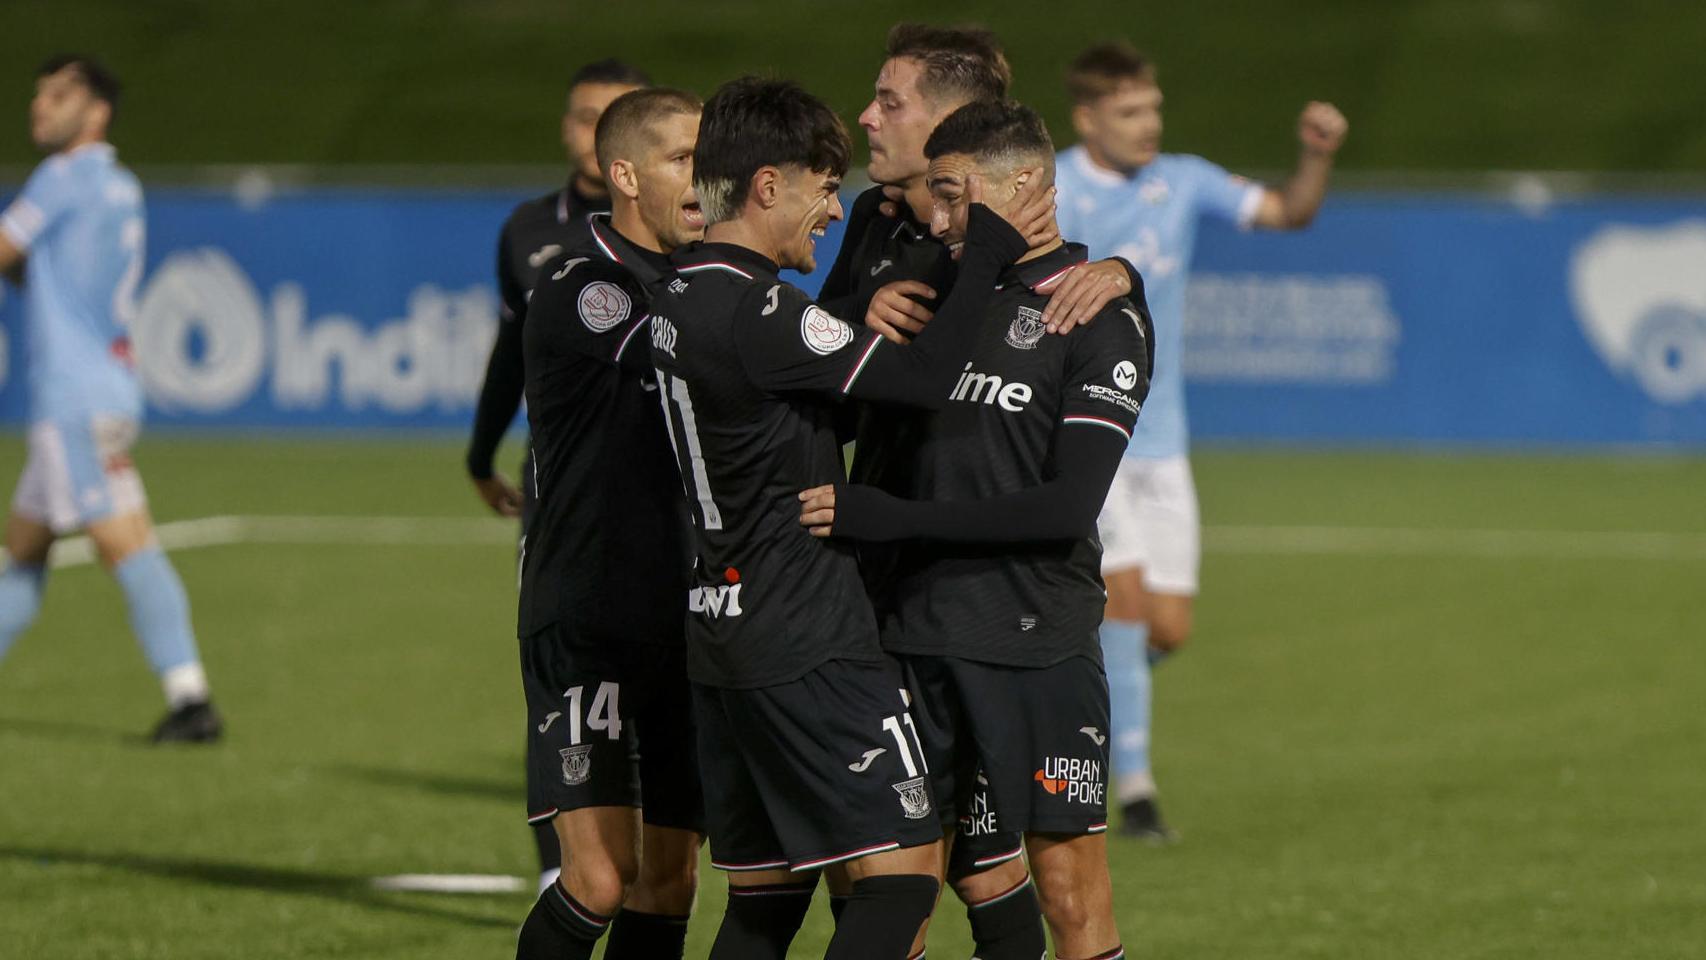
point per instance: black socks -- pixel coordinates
(559, 928)
(1008, 926)
(646, 936)
(762, 921)
(883, 917)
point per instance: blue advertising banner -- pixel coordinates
(1394, 319)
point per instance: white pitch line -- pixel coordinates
(451, 883)
(1248, 540)
(1456, 542)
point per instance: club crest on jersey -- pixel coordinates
(1125, 374)
(914, 798)
(824, 334)
(1026, 329)
(577, 764)
(603, 305)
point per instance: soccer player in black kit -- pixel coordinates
(996, 602)
(537, 231)
(604, 569)
(807, 746)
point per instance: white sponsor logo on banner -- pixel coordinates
(1290, 328)
(206, 342)
(1640, 295)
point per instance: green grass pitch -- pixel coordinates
(1477, 737)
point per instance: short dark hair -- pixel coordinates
(628, 118)
(90, 72)
(996, 134)
(961, 64)
(610, 70)
(753, 122)
(1104, 68)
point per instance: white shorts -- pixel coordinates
(1150, 521)
(79, 471)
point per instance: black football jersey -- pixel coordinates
(879, 250)
(537, 231)
(1028, 604)
(750, 372)
(606, 550)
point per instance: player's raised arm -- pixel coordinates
(1321, 130)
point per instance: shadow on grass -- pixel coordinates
(509, 789)
(72, 730)
(335, 887)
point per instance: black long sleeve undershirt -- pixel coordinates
(1063, 508)
(922, 374)
(500, 398)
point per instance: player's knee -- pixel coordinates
(670, 886)
(1125, 596)
(1063, 905)
(599, 882)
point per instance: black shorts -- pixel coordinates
(812, 772)
(609, 725)
(1033, 742)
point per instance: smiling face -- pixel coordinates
(948, 177)
(897, 122)
(1122, 130)
(663, 179)
(806, 202)
(64, 112)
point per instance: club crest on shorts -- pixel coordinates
(1026, 329)
(603, 305)
(824, 333)
(577, 764)
(914, 798)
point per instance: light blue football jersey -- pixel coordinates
(80, 221)
(1150, 219)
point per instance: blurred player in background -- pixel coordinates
(536, 233)
(604, 574)
(994, 609)
(74, 238)
(1122, 196)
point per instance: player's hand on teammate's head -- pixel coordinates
(500, 495)
(894, 314)
(817, 510)
(1076, 298)
(1321, 128)
(1030, 209)
(893, 197)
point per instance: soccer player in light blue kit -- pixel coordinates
(1122, 197)
(73, 238)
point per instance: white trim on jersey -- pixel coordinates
(1099, 422)
(859, 367)
(21, 223)
(695, 268)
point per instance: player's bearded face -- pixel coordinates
(1124, 127)
(897, 122)
(60, 110)
(805, 205)
(667, 202)
(580, 121)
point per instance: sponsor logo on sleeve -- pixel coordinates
(1125, 374)
(824, 334)
(1026, 329)
(603, 305)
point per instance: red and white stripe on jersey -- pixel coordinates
(602, 245)
(697, 267)
(849, 855)
(747, 867)
(625, 340)
(859, 367)
(1113, 425)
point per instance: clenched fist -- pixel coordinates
(1321, 127)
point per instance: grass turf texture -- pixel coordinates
(1428, 84)
(1368, 756)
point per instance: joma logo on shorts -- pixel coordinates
(719, 601)
(1079, 780)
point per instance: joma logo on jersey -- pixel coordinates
(1080, 781)
(663, 335)
(987, 388)
(722, 600)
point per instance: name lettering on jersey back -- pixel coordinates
(663, 335)
(722, 600)
(989, 389)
